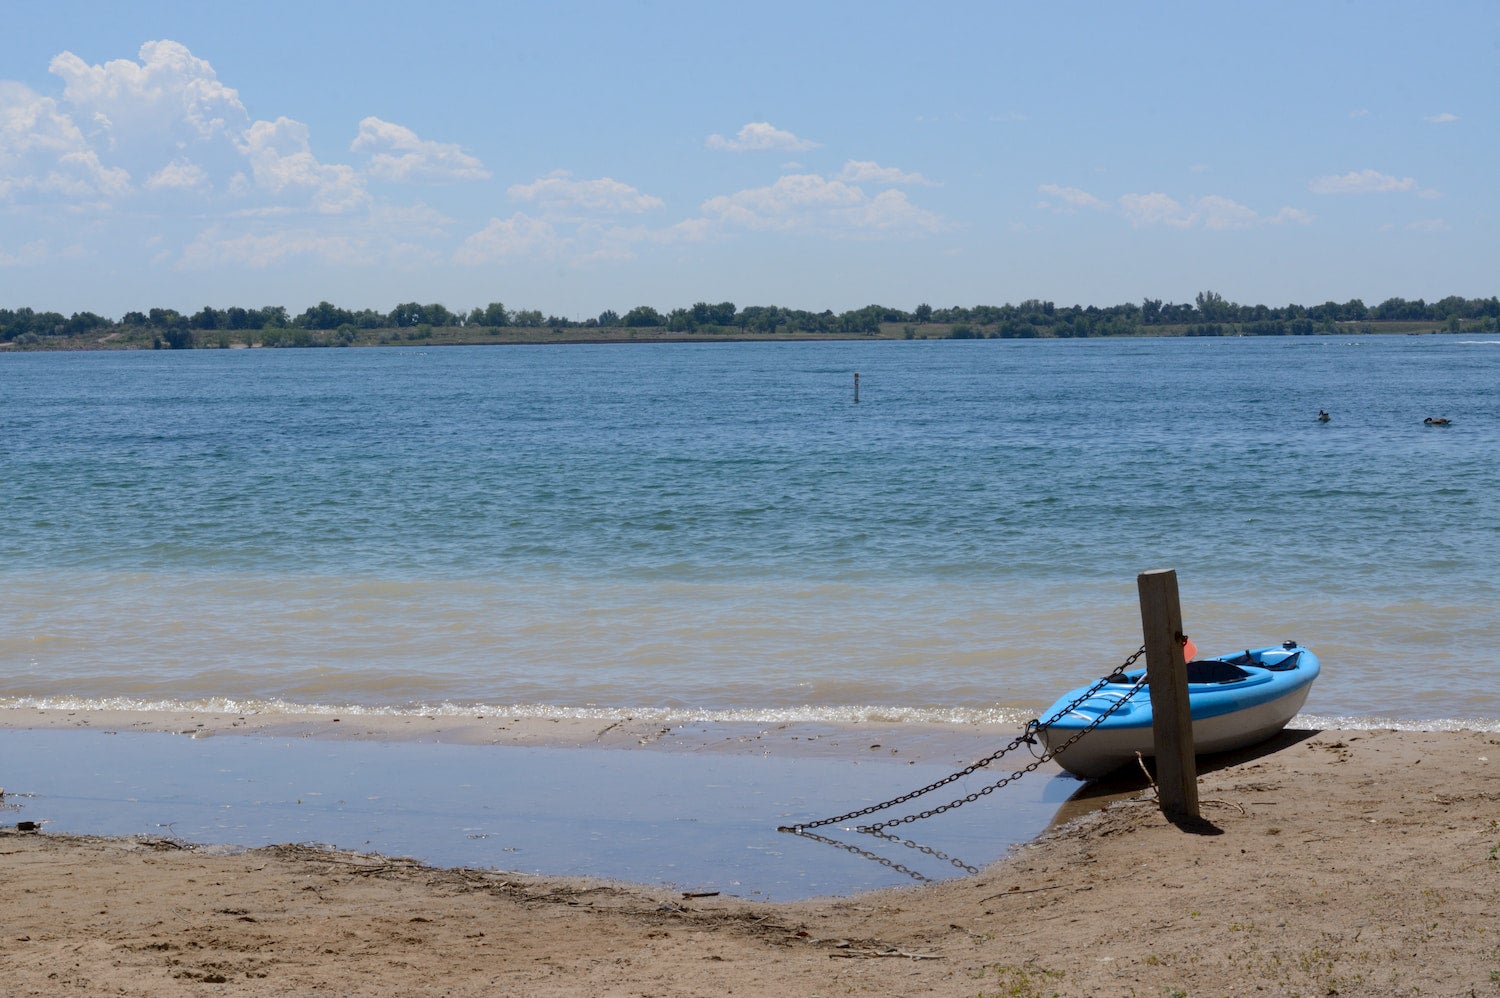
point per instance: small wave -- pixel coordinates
(1006, 716)
(1374, 723)
(845, 714)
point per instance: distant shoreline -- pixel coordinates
(144, 338)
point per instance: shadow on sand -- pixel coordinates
(1130, 780)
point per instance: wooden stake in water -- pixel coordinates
(856, 388)
(1172, 719)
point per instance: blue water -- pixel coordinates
(721, 530)
(654, 817)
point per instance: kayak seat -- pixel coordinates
(1215, 671)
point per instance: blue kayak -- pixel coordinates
(1236, 700)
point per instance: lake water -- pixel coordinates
(720, 530)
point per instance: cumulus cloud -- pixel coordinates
(179, 175)
(1442, 119)
(42, 151)
(865, 172)
(397, 154)
(1212, 211)
(505, 239)
(1155, 209)
(760, 136)
(1072, 198)
(169, 91)
(163, 131)
(1221, 213)
(559, 194)
(166, 118)
(811, 203)
(1291, 216)
(282, 163)
(1361, 182)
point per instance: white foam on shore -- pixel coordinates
(804, 714)
(846, 714)
(1380, 723)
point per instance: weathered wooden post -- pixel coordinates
(1172, 720)
(856, 388)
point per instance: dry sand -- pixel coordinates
(1345, 862)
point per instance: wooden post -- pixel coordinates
(1172, 721)
(856, 388)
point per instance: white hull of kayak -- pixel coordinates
(1107, 748)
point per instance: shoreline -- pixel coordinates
(1349, 862)
(896, 741)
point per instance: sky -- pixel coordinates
(573, 157)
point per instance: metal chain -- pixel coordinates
(1037, 762)
(1027, 736)
(863, 853)
(927, 851)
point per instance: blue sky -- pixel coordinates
(573, 157)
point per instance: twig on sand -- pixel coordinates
(1031, 890)
(1156, 792)
(851, 954)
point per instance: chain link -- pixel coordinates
(1035, 763)
(927, 851)
(1027, 736)
(863, 853)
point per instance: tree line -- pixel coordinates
(326, 324)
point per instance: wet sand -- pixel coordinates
(1347, 862)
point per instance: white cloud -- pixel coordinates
(760, 136)
(892, 212)
(1361, 182)
(397, 154)
(1155, 209)
(1212, 211)
(1295, 216)
(517, 237)
(1442, 119)
(1221, 213)
(811, 203)
(559, 194)
(863, 172)
(169, 91)
(1071, 197)
(1430, 225)
(42, 151)
(179, 175)
(282, 163)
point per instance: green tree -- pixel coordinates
(1213, 308)
(643, 315)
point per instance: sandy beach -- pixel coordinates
(1343, 862)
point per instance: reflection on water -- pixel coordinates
(701, 823)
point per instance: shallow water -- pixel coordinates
(721, 531)
(695, 823)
